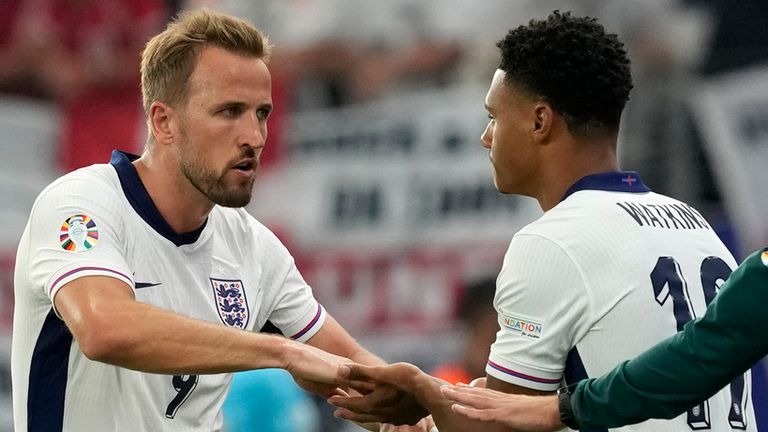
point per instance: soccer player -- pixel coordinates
(663, 382)
(141, 284)
(610, 269)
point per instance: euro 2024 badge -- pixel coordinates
(79, 233)
(231, 302)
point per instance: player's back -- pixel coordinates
(650, 264)
(615, 273)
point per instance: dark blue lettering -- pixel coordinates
(633, 211)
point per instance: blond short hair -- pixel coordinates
(169, 58)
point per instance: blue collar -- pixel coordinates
(614, 181)
(142, 203)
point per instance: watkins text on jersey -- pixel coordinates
(671, 216)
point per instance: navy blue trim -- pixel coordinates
(575, 372)
(48, 376)
(574, 368)
(270, 328)
(142, 203)
(615, 181)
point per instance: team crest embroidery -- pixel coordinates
(231, 302)
(78, 233)
(764, 258)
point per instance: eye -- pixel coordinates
(232, 111)
(263, 113)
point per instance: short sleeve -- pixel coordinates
(295, 311)
(287, 300)
(542, 311)
(75, 230)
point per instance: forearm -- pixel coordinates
(150, 339)
(111, 327)
(366, 357)
(661, 383)
(633, 393)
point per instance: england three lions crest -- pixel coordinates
(231, 302)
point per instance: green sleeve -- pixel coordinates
(689, 367)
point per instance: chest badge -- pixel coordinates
(231, 302)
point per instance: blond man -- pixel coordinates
(142, 284)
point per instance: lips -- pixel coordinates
(246, 166)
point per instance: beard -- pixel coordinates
(214, 185)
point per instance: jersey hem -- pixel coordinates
(522, 377)
(312, 327)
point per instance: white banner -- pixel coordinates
(732, 113)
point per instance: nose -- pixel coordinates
(487, 137)
(255, 134)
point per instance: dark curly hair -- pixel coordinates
(573, 64)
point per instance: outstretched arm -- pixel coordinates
(110, 326)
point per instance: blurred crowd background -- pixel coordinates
(373, 173)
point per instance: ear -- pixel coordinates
(543, 116)
(161, 122)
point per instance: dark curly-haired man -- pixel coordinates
(609, 269)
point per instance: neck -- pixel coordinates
(182, 206)
(572, 161)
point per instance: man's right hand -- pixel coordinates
(315, 370)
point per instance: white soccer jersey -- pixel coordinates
(607, 273)
(101, 221)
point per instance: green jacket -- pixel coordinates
(692, 365)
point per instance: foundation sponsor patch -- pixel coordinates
(521, 324)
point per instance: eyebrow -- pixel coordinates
(226, 104)
(239, 104)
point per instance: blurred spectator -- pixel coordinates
(331, 53)
(480, 321)
(739, 38)
(16, 74)
(355, 49)
(83, 54)
(268, 400)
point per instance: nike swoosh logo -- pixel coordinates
(140, 285)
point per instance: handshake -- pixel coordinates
(400, 394)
